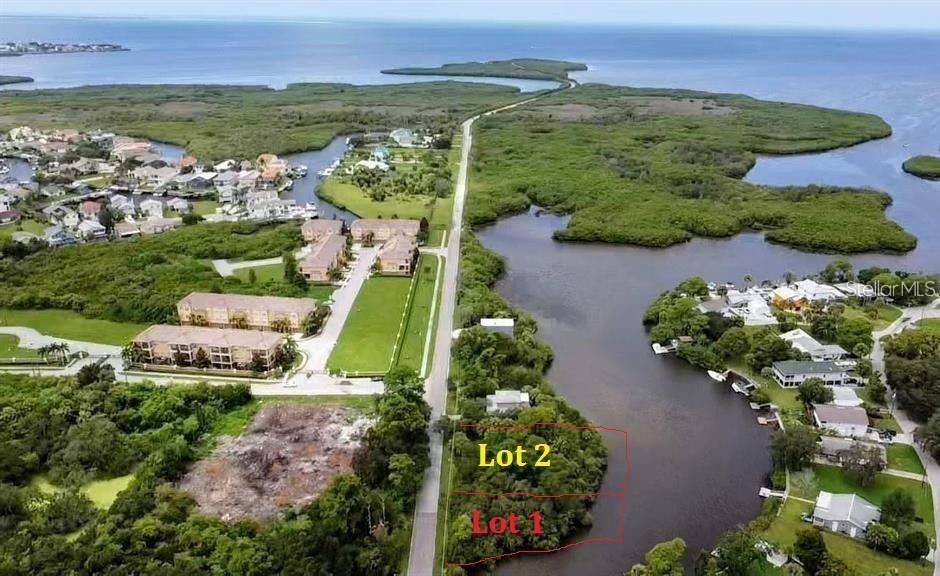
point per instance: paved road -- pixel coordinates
(30, 338)
(907, 425)
(424, 534)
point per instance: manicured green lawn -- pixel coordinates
(31, 226)
(352, 198)
(10, 348)
(833, 479)
(368, 338)
(203, 207)
(276, 272)
(71, 325)
(784, 398)
(101, 492)
(886, 314)
(931, 325)
(412, 348)
(859, 557)
(904, 457)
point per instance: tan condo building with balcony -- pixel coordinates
(327, 255)
(244, 312)
(382, 229)
(225, 348)
(314, 230)
(398, 255)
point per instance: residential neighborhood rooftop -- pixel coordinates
(795, 367)
(279, 304)
(222, 337)
(832, 414)
(845, 507)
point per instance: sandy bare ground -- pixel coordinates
(285, 458)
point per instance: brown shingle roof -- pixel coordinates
(391, 225)
(399, 246)
(226, 337)
(313, 229)
(277, 304)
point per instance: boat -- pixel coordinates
(311, 211)
(718, 376)
(660, 349)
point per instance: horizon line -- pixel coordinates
(491, 23)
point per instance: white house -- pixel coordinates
(178, 204)
(815, 292)
(499, 325)
(806, 344)
(152, 208)
(371, 165)
(6, 202)
(848, 514)
(404, 137)
(505, 400)
(847, 421)
(792, 373)
(751, 307)
(91, 230)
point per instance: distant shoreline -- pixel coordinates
(4, 80)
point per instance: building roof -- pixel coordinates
(845, 508)
(225, 337)
(187, 161)
(796, 367)
(803, 342)
(833, 445)
(391, 225)
(324, 252)
(786, 293)
(399, 247)
(497, 322)
(91, 207)
(832, 414)
(713, 305)
(316, 228)
(278, 304)
(508, 397)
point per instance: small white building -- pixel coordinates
(848, 514)
(371, 165)
(499, 325)
(152, 208)
(816, 292)
(91, 230)
(506, 400)
(178, 204)
(846, 421)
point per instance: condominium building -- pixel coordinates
(314, 230)
(381, 229)
(326, 256)
(225, 348)
(398, 255)
(242, 311)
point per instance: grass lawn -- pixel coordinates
(99, 181)
(71, 325)
(833, 479)
(101, 492)
(10, 348)
(351, 197)
(784, 398)
(7, 230)
(904, 457)
(368, 339)
(859, 557)
(931, 325)
(203, 207)
(276, 272)
(411, 352)
(886, 314)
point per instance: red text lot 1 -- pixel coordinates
(512, 523)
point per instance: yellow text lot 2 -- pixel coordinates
(517, 457)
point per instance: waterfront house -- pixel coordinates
(248, 179)
(57, 236)
(179, 205)
(786, 298)
(225, 348)
(91, 230)
(403, 137)
(381, 229)
(152, 208)
(506, 400)
(846, 421)
(152, 160)
(327, 255)
(313, 230)
(848, 514)
(806, 344)
(90, 209)
(187, 163)
(158, 225)
(834, 448)
(238, 310)
(398, 255)
(9, 216)
(815, 292)
(370, 165)
(225, 178)
(792, 373)
(499, 325)
(225, 166)
(126, 229)
(126, 148)
(154, 178)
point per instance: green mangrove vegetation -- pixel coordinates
(927, 167)
(657, 167)
(141, 280)
(216, 122)
(524, 68)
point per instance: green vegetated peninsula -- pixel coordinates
(14, 79)
(524, 68)
(655, 167)
(217, 122)
(927, 167)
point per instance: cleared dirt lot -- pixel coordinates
(285, 457)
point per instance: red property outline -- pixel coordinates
(619, 495)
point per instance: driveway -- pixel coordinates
(30, 338)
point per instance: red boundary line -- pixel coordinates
(619, 495)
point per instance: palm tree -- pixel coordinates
(44, 351)
(747, 281)
(789, 277)
(61, 349)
